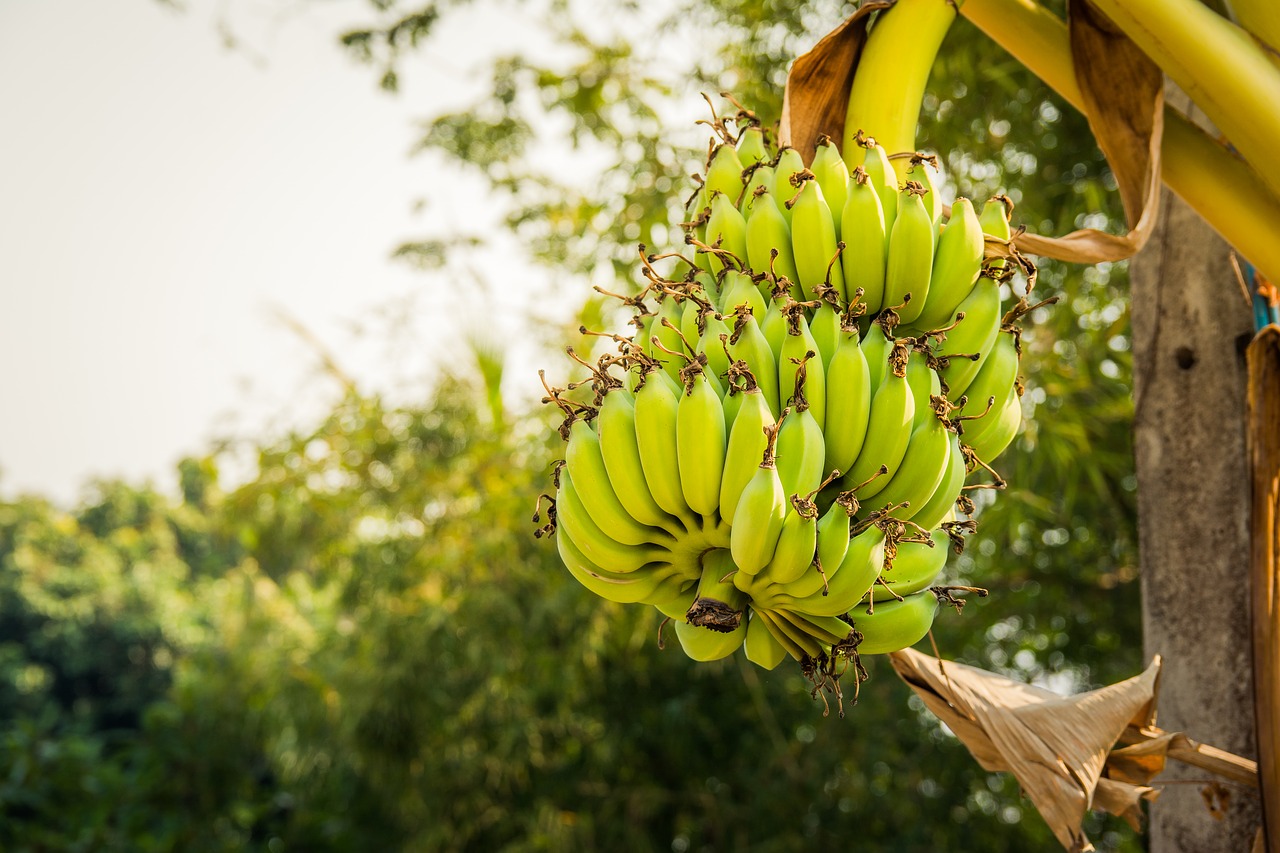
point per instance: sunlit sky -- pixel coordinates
(163, 199)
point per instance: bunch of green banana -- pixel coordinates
(776, 457)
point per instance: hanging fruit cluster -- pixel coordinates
(777, 457)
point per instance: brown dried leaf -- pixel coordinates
(1056, 746)
(816, 99)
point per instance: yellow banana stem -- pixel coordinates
(1218, 185)
(1261, 18)
(1224, 71)
(888, 87)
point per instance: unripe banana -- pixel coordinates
(765, 503)
(943, 499)
(862, 228)
(586, 461)
(768, 238)
(876, 347)
(801, 453)
(713, 346)
(882, 177)
(833, 535)
(833, 177)
(895, 625)
(748, 344)
(656, 408)
(974, 334)
(915, 567)
(925, 385)
(795, 350)
(994, 381)
(724, 173)
(910, 262)
(677, 605)
(760, 183)
(702, 644)
(955, 267)
(848, 402)
(752, 147)
(786, 166)
(825, 328)
(701, 441)
(738, 289)
(847, 584)
(813, 241)
(797, 543)
(597, 546)
(990, 442)
(726, 230)
(797, 644)
(762, 648)
(621, 452)
(995, 221)
(668, 337)
(925, 170)
(646, 584)
(747, 442)
(888, 432)
(919, 474)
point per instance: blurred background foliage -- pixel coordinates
(363, 646)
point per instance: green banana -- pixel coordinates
(801, 453)
(994, 380)
(786, 166)
(876, 346)
(910, 261)
(765, 503)
(893, 411)
(848, 401)
(825, 328)
(748, 344)
(586, 460)
(761, 646)
(768, 238)
(862, 228)
(726, 230)
(895, 625)
(974, 334)
(799, 347)
(989, 442)
(884, 180)
(703, 644)
(813, 240)
(797, 543)
(752, 147)
(916, 566)
(925, 385)
(759, 183)
(738, 289)
(724, 173)
(833, 177)
(995, 222)
(943, 499)
(747, 442)
(596, 545)
(656, 407)
(846, 585)
(701, 441)
(923, 467)
(647, 584)
(956, 266)
(620, 449)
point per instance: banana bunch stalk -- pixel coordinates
(777, 457)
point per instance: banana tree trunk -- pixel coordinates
(1190, 325)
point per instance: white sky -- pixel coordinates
(160, 196)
